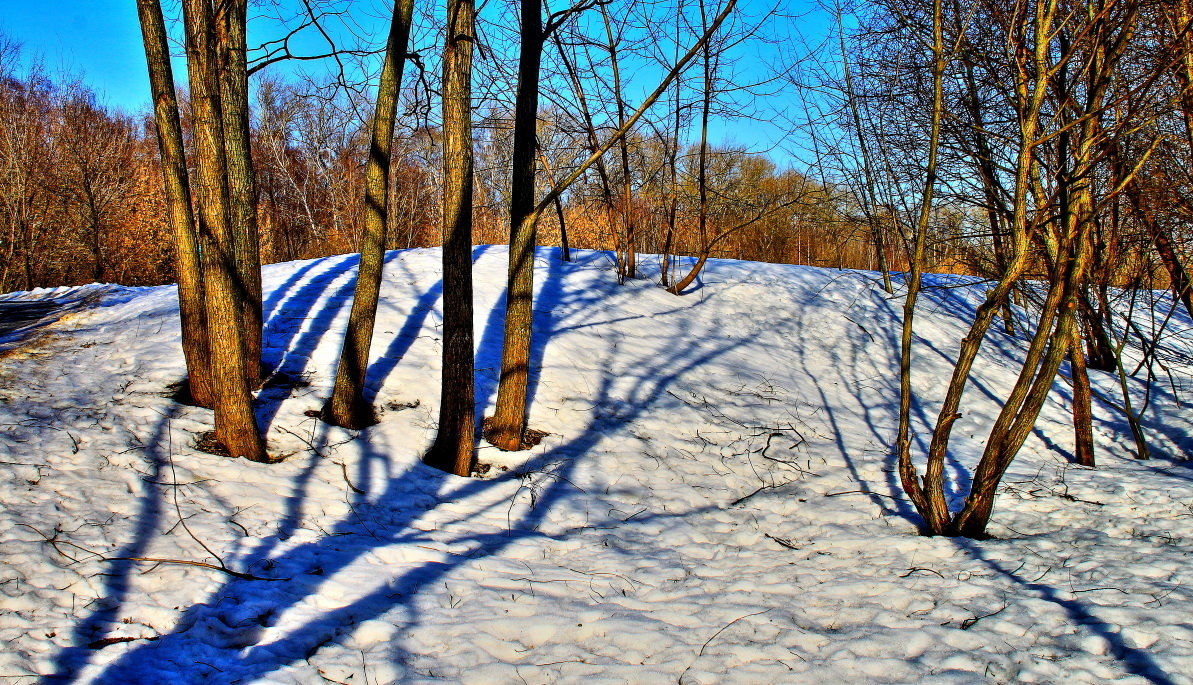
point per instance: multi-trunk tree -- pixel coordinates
(1064, 82)
(225, 220)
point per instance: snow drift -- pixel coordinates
(715, 500)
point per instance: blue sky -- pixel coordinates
(100, 41)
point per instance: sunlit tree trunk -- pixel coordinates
(235, 424)
(178, 202)
(230, 50)
(508, 423)
(347, 406)
(454, 449)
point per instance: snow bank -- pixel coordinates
(714, 501)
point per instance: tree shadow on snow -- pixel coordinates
(1136, 661)
(221, 637)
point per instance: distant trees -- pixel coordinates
(77, 186)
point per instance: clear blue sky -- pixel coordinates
(100, 40)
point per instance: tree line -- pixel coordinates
(80, 198)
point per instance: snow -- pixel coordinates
(714, 501)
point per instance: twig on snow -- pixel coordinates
(714, 636)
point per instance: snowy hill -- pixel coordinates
(714, 502)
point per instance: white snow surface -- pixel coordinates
(715, 500)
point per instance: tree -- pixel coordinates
(225, 287)
(507, 428)
(454, 449)
(178, 202)
(347, 406)
(1065, 60)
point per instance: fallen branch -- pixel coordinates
(783, 541)
(860, 492)
(764, 488)
(107, 641)
(96, 556)
(714, 636)
(920, 568)
(187, 562)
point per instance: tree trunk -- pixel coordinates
(347, 406)
(178, 203)
(235, 424)
(1083, 430)
(509, 419)
(454, 449)
(627, 264)
(565, 248)
(232, 73)
(869, 197)
(927, 497)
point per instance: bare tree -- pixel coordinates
(508, 426)
(176, 183)
(454, 449)
(347, 406)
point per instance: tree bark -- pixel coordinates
(178, 203)
(347, 406)
(1083, 429)
(231, 52)
(235, 424)
(454, 449)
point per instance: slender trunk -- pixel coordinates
(565, 249)
(231, 54)
(97, 256)
(869, 197)
(347, 406)
(1178, 275)
(508, 424)
(1083, 429)
(235, 424)
(702, 168)
(997, 213)
(454, 449)
(928, 498)
(673, 168)
(627, 266)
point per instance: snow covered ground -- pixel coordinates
(714, 502)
